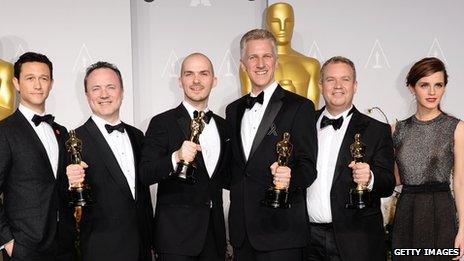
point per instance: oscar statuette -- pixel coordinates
(80, 192)
(359, 196)
(185, 171)
(277, 196)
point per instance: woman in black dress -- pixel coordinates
(429, 148)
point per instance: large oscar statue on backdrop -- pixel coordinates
(295, 72)
(6, 89)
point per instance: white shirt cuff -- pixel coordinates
(2, 247)
(371, 182)
(173, 159)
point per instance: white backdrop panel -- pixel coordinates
(73, 34)
(384, 39)
(165, 31)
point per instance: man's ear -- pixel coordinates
(16, 83)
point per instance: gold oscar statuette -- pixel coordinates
(80, 192)
(276, 195)
(185, 171)
(295, 72)
(6, 89)
(359, 196)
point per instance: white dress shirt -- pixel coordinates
(121, 147)
(209, 140)
(252, 118)
(46, 135)
(329, 143)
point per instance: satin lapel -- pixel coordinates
(318, 114)
(222, 138)
(108, 157)
(268, 118)
(356, 125)
(61, 149)
(183, 119)
(135, 152)
(32, 138)
(239, 116)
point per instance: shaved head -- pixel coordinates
(193, 55)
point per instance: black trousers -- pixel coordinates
(210, 251)
(322, 246)
(247, 253)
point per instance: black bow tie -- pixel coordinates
(250, 101)
(48, 118)
(206, 118)
(118, 127)
(336, 123)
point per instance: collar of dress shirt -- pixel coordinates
(344, 114)
(28, 113)
(101, 123)
(191, 109)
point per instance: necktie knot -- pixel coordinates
(48, 118)
(336, 123)
(250, 101)
(206, 118)
(118, 127)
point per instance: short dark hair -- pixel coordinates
(425, 67)
(101, 65)
(338, 59)
(30, 57)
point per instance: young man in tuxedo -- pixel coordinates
(189, 218)
(117, 226)
(35, 222)
(258, 121)
(339, 233)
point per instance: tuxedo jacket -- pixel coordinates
(359, 234)
(33, 199)
(271, 229)
(183, 211)
(116, 226)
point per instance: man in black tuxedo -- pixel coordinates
(189, 218)
(258, 121)
(338, 233)
(117, 226)
(35, 222)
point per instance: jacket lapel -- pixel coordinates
(183, 119)
(108, 157)
(135, 152)
(222, 138)
(356, 125)
(268, 118)
(239, 116)
(61, 148)
(34, 139)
